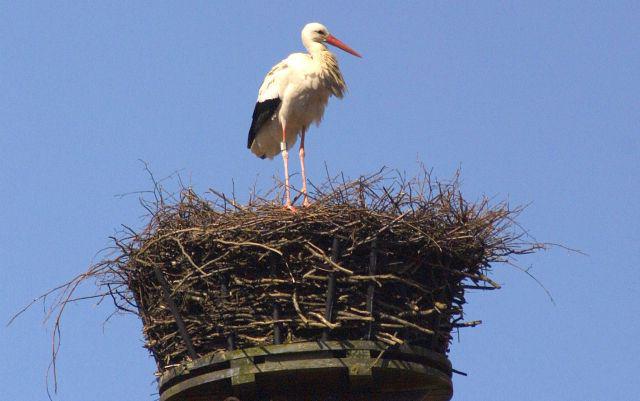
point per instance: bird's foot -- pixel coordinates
(290, 207)
(306, 202)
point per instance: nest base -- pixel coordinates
(318, 370)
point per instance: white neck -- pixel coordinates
(314, 47)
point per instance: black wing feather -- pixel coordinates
(261, 114)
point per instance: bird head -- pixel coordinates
(318, 33)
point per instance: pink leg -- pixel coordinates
(305, 200)
(285, 159)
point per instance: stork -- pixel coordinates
(293, 95)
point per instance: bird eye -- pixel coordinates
(320, 32)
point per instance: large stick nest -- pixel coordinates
(406, 251)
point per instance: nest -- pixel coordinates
(381, 258)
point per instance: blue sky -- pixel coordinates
(536, 102)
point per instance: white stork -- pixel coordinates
(293, 95)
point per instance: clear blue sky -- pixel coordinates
(536, 102)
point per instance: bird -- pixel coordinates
(293, 95)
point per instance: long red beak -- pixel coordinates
(332, 40)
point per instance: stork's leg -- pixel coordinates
(285, 159)
(305, 199)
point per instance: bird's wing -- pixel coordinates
(273, 81)
(262, 113)
(268, 99)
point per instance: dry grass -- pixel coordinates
(399, 252)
